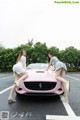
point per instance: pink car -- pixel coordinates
(40, 82)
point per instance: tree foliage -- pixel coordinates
(1, 47)
(38, 53)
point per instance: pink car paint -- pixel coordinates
(40, 76)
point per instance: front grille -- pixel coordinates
(40, 85)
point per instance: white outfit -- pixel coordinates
(20, 67)
(57, 64)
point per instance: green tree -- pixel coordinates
(39, 52)
(1, 47)
(30, 42)
(54, 50)
(70, 57)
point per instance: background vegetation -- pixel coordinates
(38, 53)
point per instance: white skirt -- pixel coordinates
(59, 65)
(18, 68)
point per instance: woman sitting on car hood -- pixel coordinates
(20, 73)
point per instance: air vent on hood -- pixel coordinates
(40, 71)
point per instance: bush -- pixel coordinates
(38, 53)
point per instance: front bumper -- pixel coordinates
(40, 91)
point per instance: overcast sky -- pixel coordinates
(56, 24)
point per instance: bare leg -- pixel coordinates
(22, 77)
(65, 86)
(13, 88)
(60, 76)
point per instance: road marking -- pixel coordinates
(55, 117)
(72, 77)
(76, 74)
(5, 90)
(71, 114)
(68, 108)
(6, 77)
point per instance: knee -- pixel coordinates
(57, 76)
(26, 74)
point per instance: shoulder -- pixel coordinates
(23, 57)
(54, 59)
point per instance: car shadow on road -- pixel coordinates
(37, 99)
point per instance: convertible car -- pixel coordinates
(40, 82)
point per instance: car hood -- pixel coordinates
(40, 75)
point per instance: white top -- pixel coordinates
(20, 67)
(57, 63)
(54, 60)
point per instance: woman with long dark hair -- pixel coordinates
(60, 69)
(20, 73)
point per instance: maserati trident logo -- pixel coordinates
(40, 85)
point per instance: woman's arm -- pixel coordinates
(50, 63)
(49, 66)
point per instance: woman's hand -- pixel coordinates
(48, 66)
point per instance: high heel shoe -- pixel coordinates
(11, 101)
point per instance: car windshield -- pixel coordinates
(38, 66)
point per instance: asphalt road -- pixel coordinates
(37, 108)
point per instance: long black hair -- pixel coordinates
(20, 54)
(49, 57)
